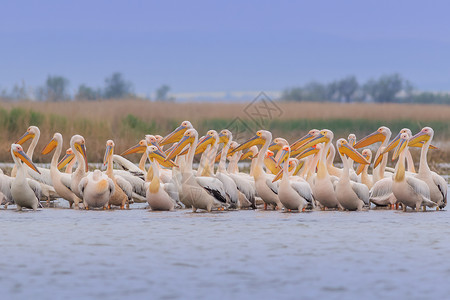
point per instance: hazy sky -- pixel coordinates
(224, 46)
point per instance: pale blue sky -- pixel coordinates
(224, 46)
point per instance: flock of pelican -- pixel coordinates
(291, 177)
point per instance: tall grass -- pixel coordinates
(126, 122)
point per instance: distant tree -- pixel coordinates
(316, 91)
(345, 88)
(386, 88)
(162, 93)
(293, 94)
(87, 93)
(55, 89)
(117, 87)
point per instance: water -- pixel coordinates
(139, 254)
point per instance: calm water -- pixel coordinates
(141, 254)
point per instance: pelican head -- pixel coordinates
(402, 145)
(277, 144)
(57, 138)
(66, 159)
(259, 139)
(392, 145)
(285, 154)
(138, 148)
(422, 136)
(177, 134)
(305, 139)
(325, 136)
(309, 151)
(250, 154)
(188, 138)
(345, 148)
(17, 153)
(352, 139)
(225, 136)
(109, 151)
(155, 153)
(77, 143)
(367, 154)
(31, 132)
(380, 135)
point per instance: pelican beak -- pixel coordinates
(284, 155)
(256, 140)
(203, 144)
(299, 143)
(167, 152)
(419, 137)
(161, 158)
(141, 147)
(223, 138)
(317, 140)
(174, 136)
(401, 146)
(274, 147)
(278, 176)
(378, 160)
(370, 139)
(180, 146)
(305, 153)
(49, 147)
(420, 145)
(271, 164)
(25, 138)
(248, 154)
(108, 153)
(361, 166)
(65, 160)
(299, 166)
(23, 157)
(82, 149)
(353, 154)
(391, 145)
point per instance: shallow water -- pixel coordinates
(140, 254)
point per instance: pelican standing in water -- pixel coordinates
(436, 184)
(408, 190)
(21, 191)
(351, 195)
(77, 143)
(96, 189)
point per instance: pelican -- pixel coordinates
(157, 196)
(176, 135)
(351, 195)
(436, 184)
(193, 194)
(363, 169)
(77, 143)
(123, 190)
(323, 188)
(409, 191)
(294, 195)
(265, 188)
(68, 161)
(21, 191)
(61, 181)
(96, 189)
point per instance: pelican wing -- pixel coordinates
(5, 187)
(44, 177)
(381, 191)
(245, 187)
(126, 186)
(126, 165)
(229, 186)
(419, 187)
(214, 187)
(303, 189)
(272, 185)
(66, 179)
(172, 190)
(441, 184)
(361, 190)
(36, 187)
(136, 182)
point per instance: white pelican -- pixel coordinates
(436, 184)
(96, 189)
(157, 196)
(77, 143)
(192, 193)
(408, 190)
(351, 195)
(323, 188)
(175, 135)
(68, 161)
(265, 188)
(61, 181)
(294, 195)
(21, 191)
(363, 169)
(123, 190)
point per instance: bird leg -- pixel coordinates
(265, 206)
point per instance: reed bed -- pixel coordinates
(126, 121)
